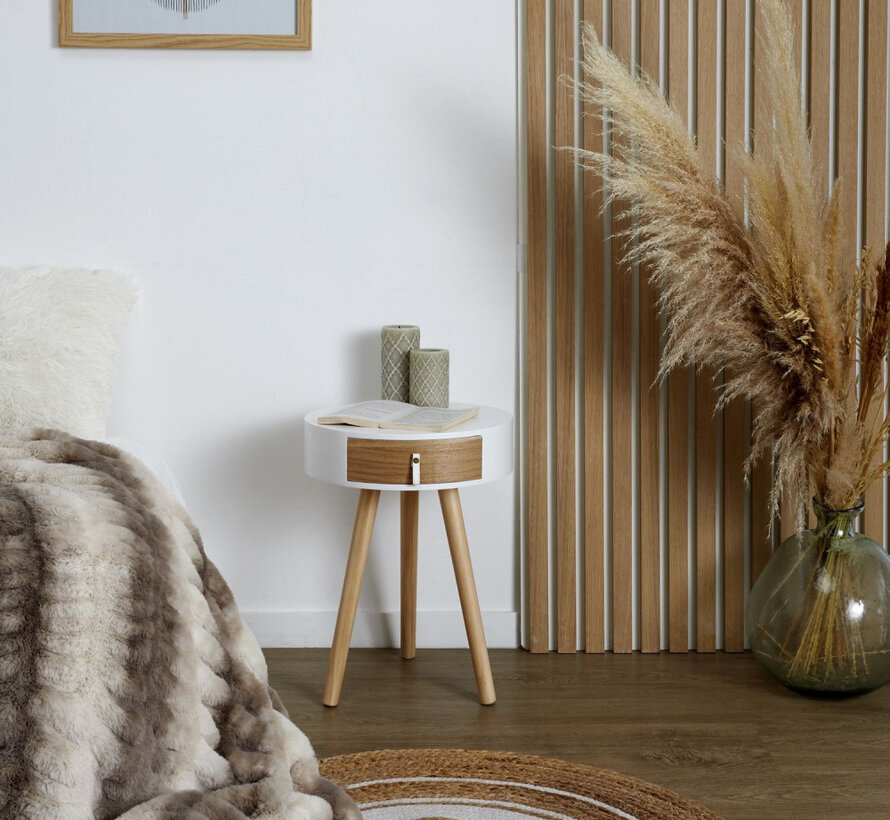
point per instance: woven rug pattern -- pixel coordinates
(450, 784)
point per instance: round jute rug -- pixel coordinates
(449, 784)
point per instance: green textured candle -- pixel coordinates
(395, 343)
(429, 377)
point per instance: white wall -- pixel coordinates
(278, 208)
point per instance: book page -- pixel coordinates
(435, 416)
(381, 410)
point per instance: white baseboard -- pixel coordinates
(435, 630)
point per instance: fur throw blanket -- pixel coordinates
(129, 685)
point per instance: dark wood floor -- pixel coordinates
(715, 728)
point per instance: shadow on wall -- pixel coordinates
(265, 463)
(261, 471)
(363, 367)
(362, 376)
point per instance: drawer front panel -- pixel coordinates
(442, 461)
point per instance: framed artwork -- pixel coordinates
(280, 24)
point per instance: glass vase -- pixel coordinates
(818, 617)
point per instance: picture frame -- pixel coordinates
(143, 35)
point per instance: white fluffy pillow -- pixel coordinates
(59, 330)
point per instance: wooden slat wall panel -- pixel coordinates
(788, 513)
(846, 118)
(705, 427)
(565, 338)
(594, 379)
(761, 534)
(761, 475)
(622, 405)
(650, 546)
(874, 161)
(678, 383)
(637, 570)
(536, 326)
(822, 98)
(847, 130)
(820, 82)
(735, 414)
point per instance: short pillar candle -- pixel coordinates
(396, 341)
(429, 377)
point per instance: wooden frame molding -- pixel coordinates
(300, 40)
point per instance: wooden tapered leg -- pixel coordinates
(410, 505)
(466, 588)
(352, 584)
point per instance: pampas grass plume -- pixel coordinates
(766, 295)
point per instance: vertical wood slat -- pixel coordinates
(761, 473)
(875, 99)
(705, 426)
(566, 588)
(594, 627)
(622, 406)
(819, 65)
(847, 125)
(677, 384)
(650, 547)
(788, 521)
(836, 139)
(761, 531)
(734, 415)
(536, 330)
(847, 120)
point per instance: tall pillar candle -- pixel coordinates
(396, 342)
(429, 377)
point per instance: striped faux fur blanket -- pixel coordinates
(129, 685)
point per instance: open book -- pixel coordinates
(398, 415)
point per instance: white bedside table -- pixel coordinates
(374, 459)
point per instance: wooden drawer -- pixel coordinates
(442, 461)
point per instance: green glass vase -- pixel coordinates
(818, 617)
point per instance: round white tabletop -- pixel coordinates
(331, 450)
